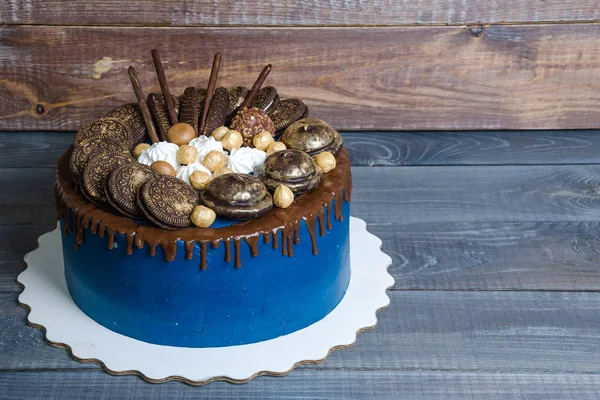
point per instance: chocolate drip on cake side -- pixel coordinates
(279, 224)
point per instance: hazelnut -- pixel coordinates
(263, 140)
(275, 147)
(203, 217)
(222, 171)
(200, 180)
(220, 132)
(163, 168)
(187, 154)
(326, 161)
(283, 197)
(232, 140)
(139, 149)
(214, 160)
(181, 133)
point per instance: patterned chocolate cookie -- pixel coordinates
(266, 99)
(95, 173)
(109, 129)
(131, 116)
(237, 94)
(190, 107)
(287, 112)
(217, 111)
(122, 187)
(237, 196)
(168, 202)
(81, 153)
(160, 116)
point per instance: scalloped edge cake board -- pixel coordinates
(51, 309)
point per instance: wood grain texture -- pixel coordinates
(529, 332)
(440, 77)
(42, 149)
(288, 12)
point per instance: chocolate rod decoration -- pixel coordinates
(210, 90)
(164, 87)
(256, 87)
(139, 94)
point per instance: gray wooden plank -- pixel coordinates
(530, 332)
(310, 384)
(42, 149)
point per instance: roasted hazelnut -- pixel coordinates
(139, 149)
(200, 180)
(275, 147)
(214, 160)
(203, 217)
(232, 140)
(163, 168)
(187, 154)
(326, 161)
(220, 132)
(222, 171)
(263, 140)
(283, 197)
(181, 133)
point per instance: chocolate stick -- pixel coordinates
(139, 94)
(210, 90)
(256, 87)
(164, 87)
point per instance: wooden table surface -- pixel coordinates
(495, 240)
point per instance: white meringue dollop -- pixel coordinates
(161, 151)
(206, 144)
(185, 171)
(245, 159)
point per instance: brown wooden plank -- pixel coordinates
(502, 77)
(290, 12)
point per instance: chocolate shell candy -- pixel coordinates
(167, 201)
(131, 116)
(237, 196)
(313, 136)
(266, 99)
(292, 168)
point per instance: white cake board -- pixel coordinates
(52, 310)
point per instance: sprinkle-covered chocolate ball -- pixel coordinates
(163, 167)
(181, 133)
(250, 122)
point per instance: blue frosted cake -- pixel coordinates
(216, 218)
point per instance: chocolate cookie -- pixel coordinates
(109, 129)
(237, 94)
(217, 111)
(131, 116)
(237, 196)
(168, 202)
(81, 153)
(122, 187)
(292, 168)
(287, 112)
(313, 136)
(93, 179)
(160, 116)
(190, 107)
(266, 99)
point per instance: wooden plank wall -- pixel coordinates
(365, 65)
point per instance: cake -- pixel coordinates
(216, 218)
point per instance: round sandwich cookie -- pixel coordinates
(109, 129)
(122, 187)
(168, 202)
(237, 196)
(95, 173)
(266, 99)
(81, 153)
(131, 116)
(313, 136)
(190, 107)
(160, 115)
(237, 94)
(287, 112)
(292, 168)
(217, 111)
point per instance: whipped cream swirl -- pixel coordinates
(206, 144)
(161, 151)
(185, 171)
(245, 159)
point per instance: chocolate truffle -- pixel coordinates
(250, 122)
(181, 133)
